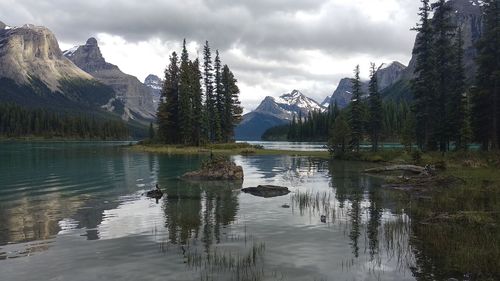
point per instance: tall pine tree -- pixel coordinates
(219, 99)
(423, 85)
(356, 120)
(486, 97)
(185, 97)
(375, 109)
(232, 110)
(445, 102)
(168, 110)
(197, 105)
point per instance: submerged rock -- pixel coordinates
(218, 169)
(267, 191)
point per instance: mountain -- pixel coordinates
(155, 84)
(136, 97)
(387, 75)
(468, 16)
(35, 73)
(273, 112)
(326, 102)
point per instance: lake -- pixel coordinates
(76, 211)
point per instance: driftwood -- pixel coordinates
(407, 168)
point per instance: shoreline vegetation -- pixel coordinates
(222, 149)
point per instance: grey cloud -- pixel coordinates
(271, 33)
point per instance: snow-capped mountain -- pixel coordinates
(155, 84)
(273, 112)
(296, 101)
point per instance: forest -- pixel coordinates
(16, 121)
(198, 106)
(446, 112)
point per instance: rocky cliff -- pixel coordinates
(32, 52)
(467, 16)
(135, 95)
(155, 84)
(387, 75)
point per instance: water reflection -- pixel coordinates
(92, 199)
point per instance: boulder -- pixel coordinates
(219, 170)
(267, 191)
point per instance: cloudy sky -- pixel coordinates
(272, 46)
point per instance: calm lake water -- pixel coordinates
(76, 211)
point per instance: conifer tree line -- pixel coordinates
(379, 121)
(16, 121)
(199, 103)
(448, 112)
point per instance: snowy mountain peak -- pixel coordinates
(153, 82)
(299, 100)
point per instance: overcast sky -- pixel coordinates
(272, 46)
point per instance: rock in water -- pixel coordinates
(218, 169)
(267, 191)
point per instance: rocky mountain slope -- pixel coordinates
(467, 16)
(135, 96)
(34, 72)
(387, 75)
(32, 52)
(155, 84)
(273, 112)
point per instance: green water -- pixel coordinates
(76, 211)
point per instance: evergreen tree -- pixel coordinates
(375, 108)
(197, 105)
(423, 85)
(356, 120)
(339, 136)
(457, 107)
(486, 97)
(168, 110)
(185, 97)
(231, 109)
(219, 99)
(445, 102)
(151, 131)
(408, 133)
(210, 101)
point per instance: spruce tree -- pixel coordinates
(423, 85)
(185, 97)
(356, 120)
(375, 109)
(231, 108)
(219, 97)
(197, 105)
(486, 97)
(168, 110)
(339, 136)
(457, 107)
(151, 131)
(445, 102)
(210, 102)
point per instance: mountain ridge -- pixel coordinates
(136, 97)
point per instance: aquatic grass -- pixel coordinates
(314, 202)
(242, 267)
